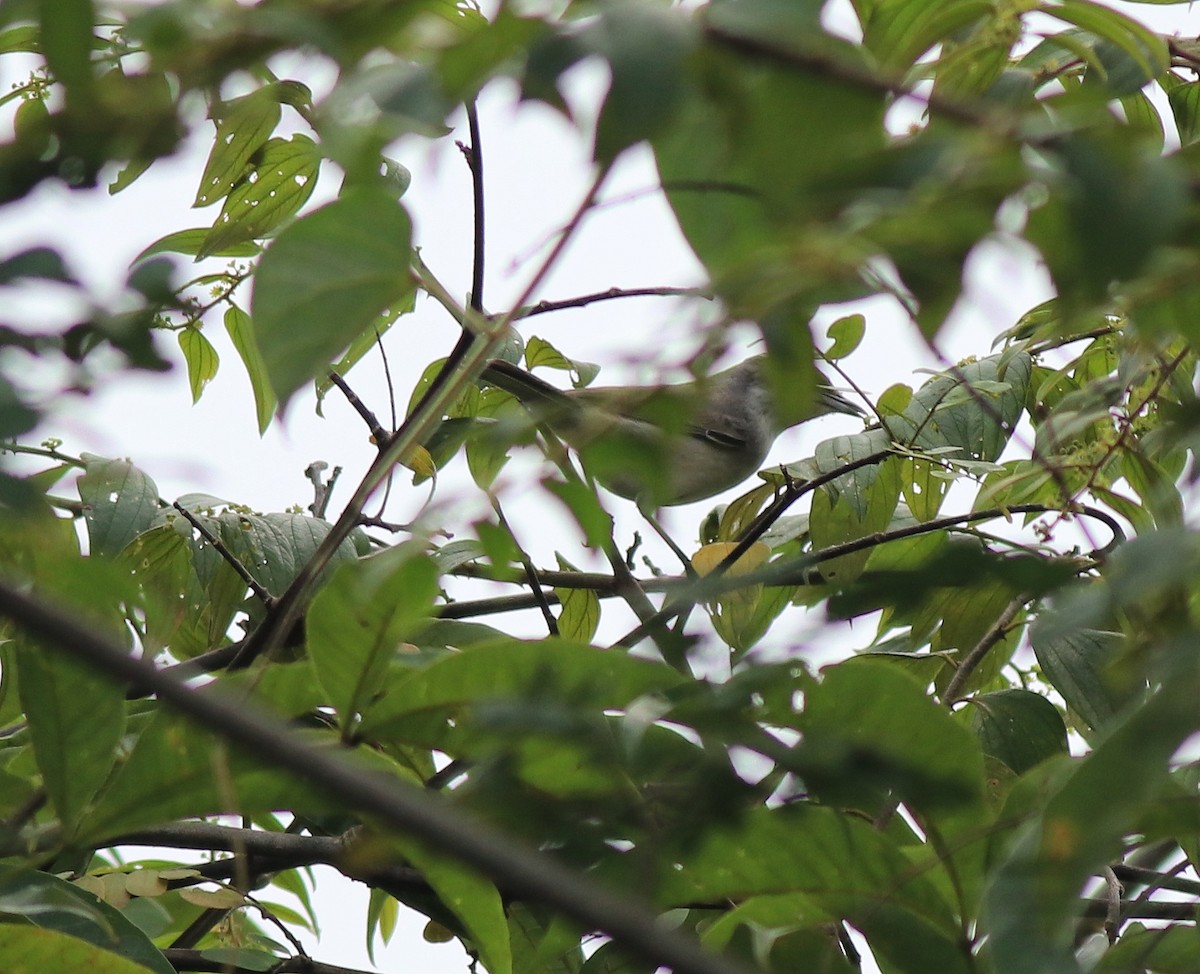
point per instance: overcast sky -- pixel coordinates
(537, 169)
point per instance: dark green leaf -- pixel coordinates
(870, 729)
(75, 745)
(1075, 662)
(40, 262)
(503, 669)
(1018, 727)
(646, 48)
(66, 40)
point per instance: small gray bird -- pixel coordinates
(670, 444)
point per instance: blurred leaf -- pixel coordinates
(646, 48)
(1031, 904)
(1184, 100)
(842, 864)
(488, 671)
(870, 732)
(75, 746)
(471, 897)
(37, 262)
(323, 282)
(16, 417)
(66, 41)
(1169, 950)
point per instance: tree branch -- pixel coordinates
(194, 960)
(969, 662)
(394, 803)
(544, 307)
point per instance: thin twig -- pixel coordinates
(394, 803)
(997, 631)
(475, 161)
(449, 383)
(231, 559)
(531, 574)
(378, 434)
(794, 571)
(544, 307)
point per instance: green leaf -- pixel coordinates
(489, 671)
(1163, 950)
(324, 281)
(898, 32)
(846, 334)
(471, 897)
(1030, 908)
(284, 177)
(73, 917)
(870, 730)
(1147, 49)
(202, 360)
(177, 770)
(1185, 107)
(974, 407)
(542, 943)
(580, 615)
(75, 745)
(120, 502)
(1017, 727)
(368, 341)
(855, 505)
(842, 864)
(646, 48)
(33, 950)
(382, 913)
(359, 621)
(274, 547)
(15, 416)
(1075, 663)
(191, 243)
(66, 40)
(38, 262)
(243, 128)
(241, 333)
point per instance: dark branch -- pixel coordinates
(544, 307)
(395, 804)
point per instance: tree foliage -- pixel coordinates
(997, 781)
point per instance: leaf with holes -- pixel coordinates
(282, 181)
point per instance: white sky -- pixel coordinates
(537, 169)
